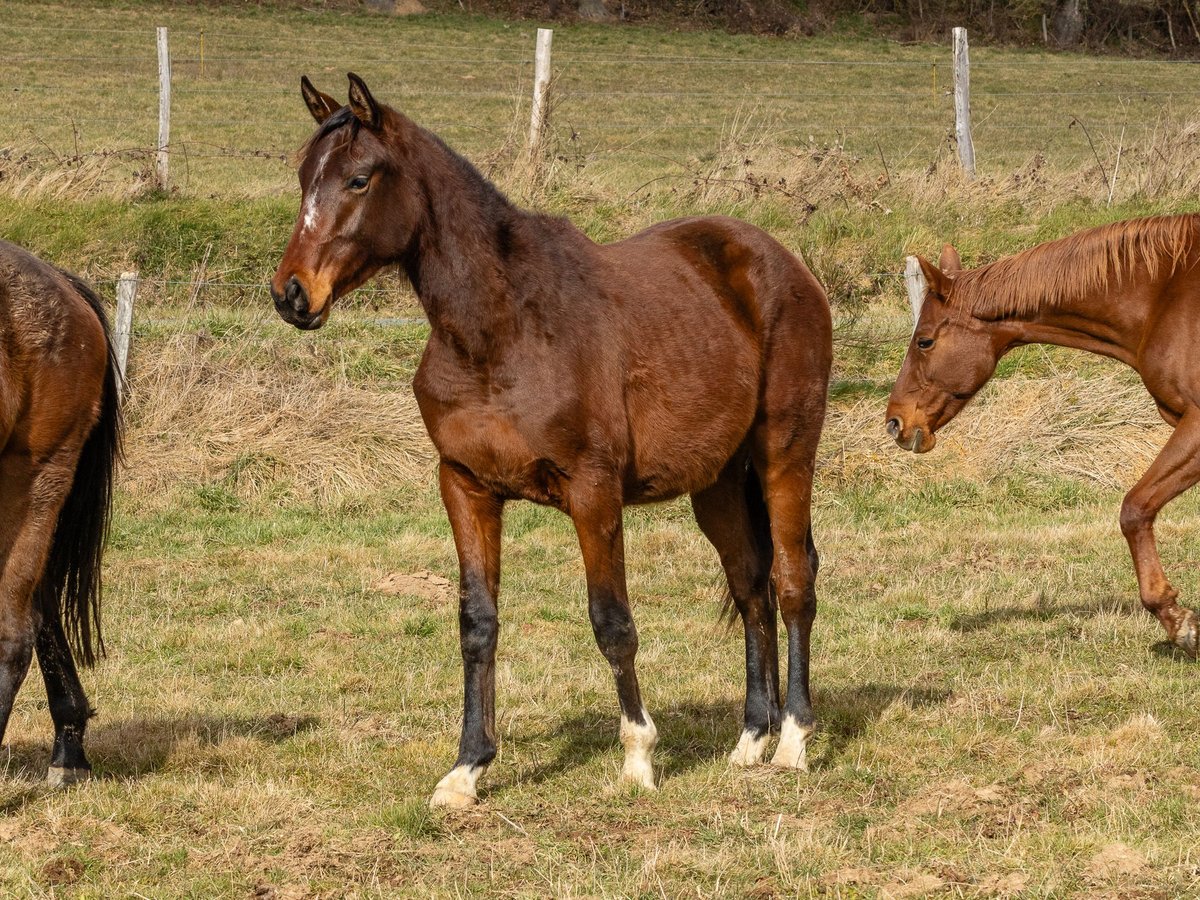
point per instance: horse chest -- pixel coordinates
(507, 450)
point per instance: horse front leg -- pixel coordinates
(597, 518)
(1173, 471)
(475, 517)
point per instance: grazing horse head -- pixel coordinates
(353, 220)
(951, 356)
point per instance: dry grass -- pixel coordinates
(251, 414)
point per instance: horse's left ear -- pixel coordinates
(363, 105)
(321, 105)
(936, 279)
(949, 261)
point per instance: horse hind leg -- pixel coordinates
(30, 499)
(733, 517)
(69, 707)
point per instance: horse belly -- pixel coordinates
(684, 431)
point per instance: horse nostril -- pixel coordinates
(296, 297)
(893, 428)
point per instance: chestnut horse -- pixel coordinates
(60, 436)
(1131, 291)
(692, 358)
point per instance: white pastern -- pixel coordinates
(57, 776)
(639, 741)
(793, 745)
(749, 749)
(457, 789)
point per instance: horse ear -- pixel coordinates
(363, 105)
(322, 106)
(938, 281)
(949, 261)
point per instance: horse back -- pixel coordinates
(53, 353)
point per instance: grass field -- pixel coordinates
(999, 718)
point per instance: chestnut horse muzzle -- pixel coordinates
(292, 305)
(920, 441)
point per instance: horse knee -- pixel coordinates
(479, 627)
(1135, 517)
(612, 624)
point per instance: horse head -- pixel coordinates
(353, 218)
(951, 356)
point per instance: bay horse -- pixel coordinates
(1130, 291)
(692, 358)
(60, 441)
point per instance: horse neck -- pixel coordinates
(1107, 320)
(454, 259)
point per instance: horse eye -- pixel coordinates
(924, 343)
(358, 182)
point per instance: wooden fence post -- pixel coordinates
(127, 288)
(541, 86)
(962, 102)
(164, 107)
(914, 282)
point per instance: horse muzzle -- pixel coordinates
(293, 306)
(918, 440)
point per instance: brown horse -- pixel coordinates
(692, 358)
(60, 436)
(1131, 291)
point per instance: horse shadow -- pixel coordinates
(696, 734)
(137, 746)
(1042, 611)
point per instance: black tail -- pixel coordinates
(70, 585)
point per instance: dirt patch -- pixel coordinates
(1004, 885)
(424, 585)
(62, 870)
(1116, 861)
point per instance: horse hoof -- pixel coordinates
(457, 789)
(1187, 637)
(448, 798)
(749, 749)
(792, 752)
(643, 781)
(57, 776)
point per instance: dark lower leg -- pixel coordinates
(16, 653)
(69, 707)
(601, 540)
(724, 513)
(475, 517)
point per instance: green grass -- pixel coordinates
(998, 717)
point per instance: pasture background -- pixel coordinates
(283, 687)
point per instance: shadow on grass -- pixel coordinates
(1039, 612)
(845, 714)
(129, 748)
(692, 735)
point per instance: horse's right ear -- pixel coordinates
(322, 106)
(950, 263)
(938, 281)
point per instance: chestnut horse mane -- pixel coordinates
(1073, 268)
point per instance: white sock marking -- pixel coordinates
(639, 741)
(749, 749)
(457, 788)
(793, 745)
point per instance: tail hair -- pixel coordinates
(71, 583)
